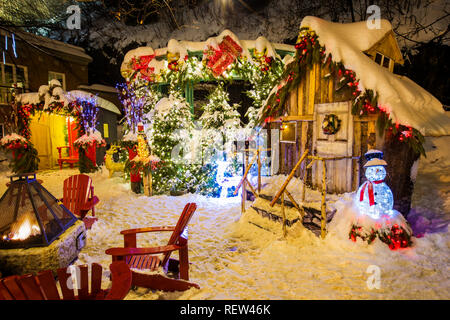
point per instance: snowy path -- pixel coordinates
(234, 260)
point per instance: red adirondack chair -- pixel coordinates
(71, 159)
(147, 259)
(79, 198)
(43, 285)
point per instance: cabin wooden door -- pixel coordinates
(41, 139)
(339, 172)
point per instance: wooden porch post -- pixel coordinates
(324, 192)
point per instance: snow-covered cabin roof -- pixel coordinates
(406, 102)
(182, 47)
(34, 98)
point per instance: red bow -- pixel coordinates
(142, 62)
(369, 191)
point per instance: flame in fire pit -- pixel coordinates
(24, 228)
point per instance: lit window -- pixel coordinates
(21, 76)
(105, 130)
(11, 75)
(61, 77)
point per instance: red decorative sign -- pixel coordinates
(141, 65)
(228, 51)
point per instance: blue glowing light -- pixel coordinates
(226, 182)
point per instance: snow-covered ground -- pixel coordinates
(232, 259)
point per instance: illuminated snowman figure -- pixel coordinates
(374, 197)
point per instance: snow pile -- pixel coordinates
(233, 259)
(130, 136)
(348, 215)
(146, 160)
(406, 102)
(262, 44)
(165, 105)
(89, 138)
(12, 138)
(431, 197)
(271, 185)
(99, 101)
(50, 94)
(28, 98)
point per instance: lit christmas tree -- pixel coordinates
(217, 113)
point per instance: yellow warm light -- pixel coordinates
(24, 228)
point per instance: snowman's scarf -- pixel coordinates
(369, 191)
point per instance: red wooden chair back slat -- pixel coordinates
(83, 289)
(14, 289)
(30, 287)
(48, 285)
(183, 221)
(76, 192)
(4, 293)
(43, 286)
(96, 278)
(63, 275)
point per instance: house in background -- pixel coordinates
(37, 60)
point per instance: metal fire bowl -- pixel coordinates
(59, 254)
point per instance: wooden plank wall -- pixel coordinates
(316, 87)
(364, 139)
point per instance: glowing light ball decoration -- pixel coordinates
(375, 216)
(375, 196)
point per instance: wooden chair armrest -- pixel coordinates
(141, 251)
(90, 204)
(149, 229)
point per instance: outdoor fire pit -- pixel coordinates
(36, 231)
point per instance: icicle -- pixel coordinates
(14, 45)
(6, 42)
(4, 58)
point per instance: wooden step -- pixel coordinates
(311, 220)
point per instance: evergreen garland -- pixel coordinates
(25, 156)
(309, 51)
(395, 236)
(85, 164)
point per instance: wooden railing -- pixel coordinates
(283, 189)
(324, 189)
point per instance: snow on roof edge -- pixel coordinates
(407, 102)
(195, 46)
(102, 103)
(33, 98)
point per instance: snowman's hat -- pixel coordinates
(375, 162)
(373, 154)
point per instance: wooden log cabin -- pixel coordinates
(318, 94)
